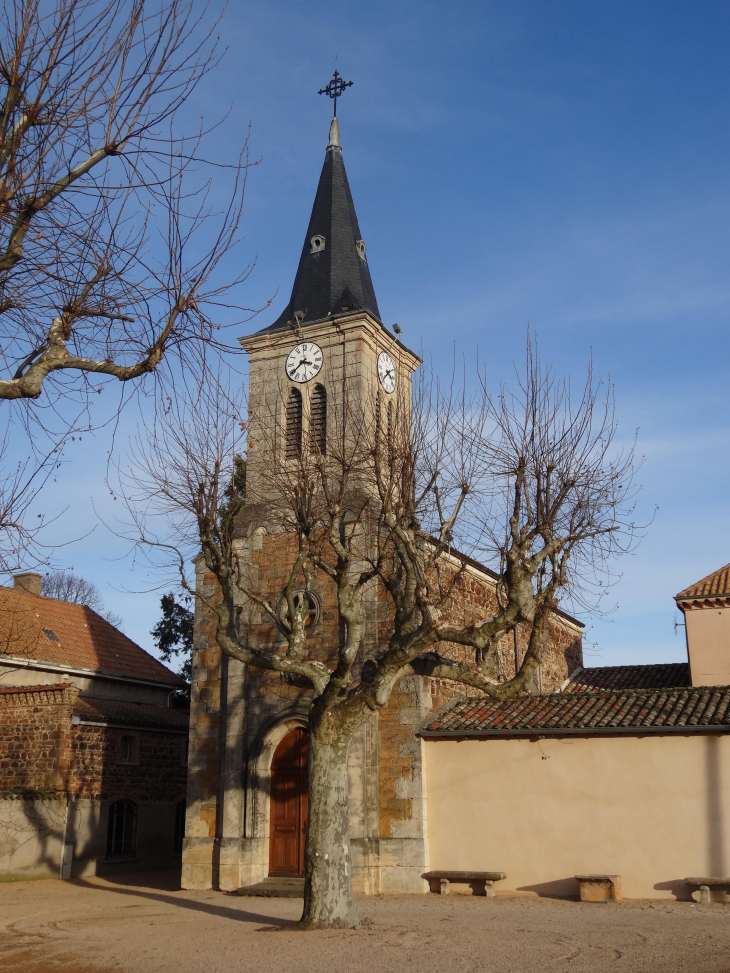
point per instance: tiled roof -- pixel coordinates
(629, 677)
(660, 709)
(48, 630)
(140, 714)
(717, 583)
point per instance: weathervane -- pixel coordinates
(335, 88)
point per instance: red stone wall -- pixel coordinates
(41, 750)
(34, 729)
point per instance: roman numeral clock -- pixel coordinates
(304, 362)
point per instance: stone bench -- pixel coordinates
(599, 888)
(482, 883)
(705, 884)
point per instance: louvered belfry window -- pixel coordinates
(318, 420)
(294, 425)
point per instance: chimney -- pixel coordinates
(29, 581)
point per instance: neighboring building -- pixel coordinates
(625, 771)
(247, 771)
(706, 610)
(93, 754)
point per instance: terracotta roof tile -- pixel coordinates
(629, 677)
(680, 706)
(717, 583)
(139, 714)
(49, 630)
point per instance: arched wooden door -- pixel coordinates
(288, 821)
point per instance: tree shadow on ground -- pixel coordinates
(150, 892)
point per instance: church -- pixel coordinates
(541, 786)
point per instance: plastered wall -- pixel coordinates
(708, 645)
(653, 809)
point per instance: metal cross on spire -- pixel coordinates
(335, 88)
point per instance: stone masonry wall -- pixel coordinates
(35, 727)
(41, 751)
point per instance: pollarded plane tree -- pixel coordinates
(111, 232)
(533, 481)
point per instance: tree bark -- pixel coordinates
(328, 897)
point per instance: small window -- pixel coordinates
(179, 827)
(121, 838)
(51, 635)
(361, 248)
(294, 425)
(128, 752)
(318, 420)
(317, 243)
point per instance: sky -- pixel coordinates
(514, 164)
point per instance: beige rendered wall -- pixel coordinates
(708, 645)
(653, 809)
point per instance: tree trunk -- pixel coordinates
(329, 902)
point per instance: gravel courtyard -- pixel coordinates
(142, 924)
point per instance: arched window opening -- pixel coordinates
(294, 425)
(318, 420)
(121, 836)
(390, 432)
(179, 827)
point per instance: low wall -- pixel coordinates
(653, 809)
(33, 830)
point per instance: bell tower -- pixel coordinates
(325, 358)
(328, 352)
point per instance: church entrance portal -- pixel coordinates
(288, 821)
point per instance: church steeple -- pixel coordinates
(333, 276)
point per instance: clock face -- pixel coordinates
(386, 371)
(304, 362)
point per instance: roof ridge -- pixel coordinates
(696, 584)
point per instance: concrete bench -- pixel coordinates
(705, 884)
(599, 888)
(482, 883)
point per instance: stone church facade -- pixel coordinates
(246, 809)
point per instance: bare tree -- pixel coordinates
(534, 482)
(111, 230)
(67, 586)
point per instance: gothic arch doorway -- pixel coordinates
(288, 817)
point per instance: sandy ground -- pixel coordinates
(143, 924)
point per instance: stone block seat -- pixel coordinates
(599, 888)
(706, 884)
(482, 883)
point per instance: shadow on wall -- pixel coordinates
(560, 888)
(678, 889)
(713, 808)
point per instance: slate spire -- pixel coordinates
(333, 275)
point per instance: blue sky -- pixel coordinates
(561, 164)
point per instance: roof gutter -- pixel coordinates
(117, 725)
(572, 731)
(17, 663)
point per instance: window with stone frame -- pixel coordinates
(128, 752)
(293, 441)
(121, 836)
